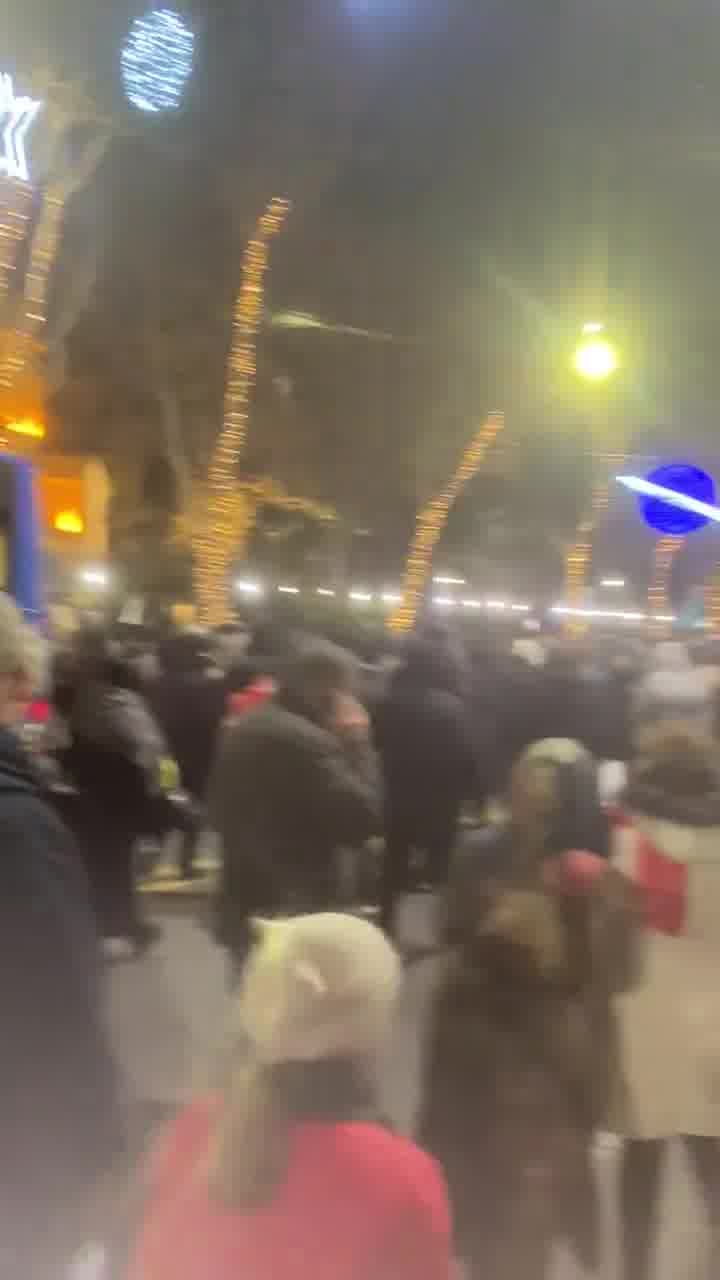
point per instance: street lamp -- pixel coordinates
(595, 358)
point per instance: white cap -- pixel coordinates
(318, 986)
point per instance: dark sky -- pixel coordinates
(454, 163)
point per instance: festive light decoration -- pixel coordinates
(15, 203)
(712, 601)
(33, 311)
(675, 500)
(579, 558)
(666, 550)
(215, 547)
(157, 61)
(16, 117)
(432, 519)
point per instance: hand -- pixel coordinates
(350, 719)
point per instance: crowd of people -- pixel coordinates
(561, 798)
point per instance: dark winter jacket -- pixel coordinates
(115, 754)
(426, 749)
(58, 1106)
(190, 706)
(284, 797)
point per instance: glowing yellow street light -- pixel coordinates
(27, 427)
(595, 358)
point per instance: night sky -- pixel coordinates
(455, 165)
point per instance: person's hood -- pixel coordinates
(16, 771)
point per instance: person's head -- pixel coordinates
(314, 678)
(675, 773)
(554, 799)
(22, 663)
(313, 1014)
(430, 663)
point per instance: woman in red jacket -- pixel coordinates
(288, 1173)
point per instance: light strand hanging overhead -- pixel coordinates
(432, 520)
(216, 545)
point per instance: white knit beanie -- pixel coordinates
(318, 986)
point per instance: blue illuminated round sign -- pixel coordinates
(682, 478)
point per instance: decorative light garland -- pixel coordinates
(33, 313)
(214, 548)
(579, 558)
(432, 520)
(658, 598)
(157, 61)
(712, 600)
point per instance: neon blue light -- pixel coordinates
(157, 61)
(676, 499)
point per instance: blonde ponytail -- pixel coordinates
(252, 1141)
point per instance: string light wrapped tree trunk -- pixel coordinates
(217, 543)
(578, 561)
(712, 601)
(432, 519)
(659, 604)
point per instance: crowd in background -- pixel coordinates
(577, 926)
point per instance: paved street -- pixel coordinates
(166, 1012)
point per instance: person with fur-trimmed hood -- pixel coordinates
(668, 842)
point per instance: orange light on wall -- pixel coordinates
(27, 427)
(69, 521)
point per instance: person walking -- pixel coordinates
(428, 766)
(521, 1044)
(189, 700)
(294, 783)
(116, 758)
(59, 1114)
(289, 1171)
(667, 841)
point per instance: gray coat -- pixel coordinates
(285, 795)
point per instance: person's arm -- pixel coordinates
(342, 783)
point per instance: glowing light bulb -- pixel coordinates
(596, 359)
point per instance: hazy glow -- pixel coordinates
(27, 427)
(622, 615)
(671, 496)
(16, 117)
(613, 582)
(449, 582)
(325, 591)
(360, 597)
(289, 591)
(249, 588)
(95, 577)
(596, 359)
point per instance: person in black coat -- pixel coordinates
(189, 700)
(59, 1115)
(428, 765)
